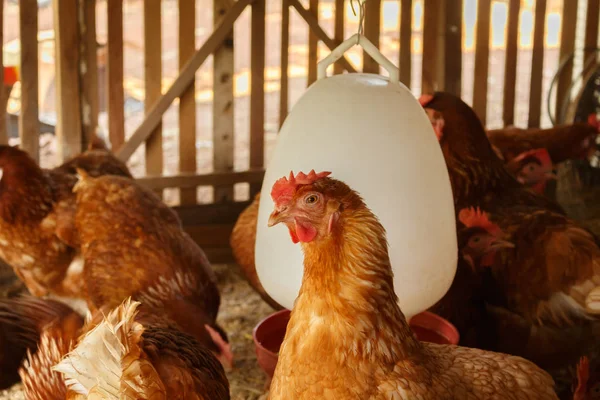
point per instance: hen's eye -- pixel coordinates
(311, 199)
(476, 239)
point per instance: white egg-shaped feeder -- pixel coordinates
(371, 133)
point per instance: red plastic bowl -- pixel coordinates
(268, 336)
(430, 327)
(269, 333)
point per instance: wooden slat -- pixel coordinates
(591, 32)
(115, 91)
(430, 46)
(314, 25)
(285, 60)
(223, 135)
(29, 115)
(186, 76)
(338, 32)
(482, 58)
(567, 47)
(510, 64)
(257, 88)
(4, 94)
(453, 46)
(88, 70)
(313, 8)
(208, 214)
(192, 180)
(68, 105)
(537, 61)
(187, 100)
(153, 83)
(405, 57)
(372, 24)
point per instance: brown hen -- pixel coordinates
(36, 208)
(563, 142)
(347, 337)
(123, 356)
(134, 245)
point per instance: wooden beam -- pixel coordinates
(186, 76)
(405, 56)
(452, 49)
(257, 89)
(153, 83)
(223, 104)
(68, 132)
(4, 94)
(510, 63)
(115, 91)
(88, 70)
(314, 25)
(591, 33)
(285, 60)
(313, 42)
(338, 32)
(430, 46)
(29, 115)
(209, 214)
(372, 25)
(191, 180)
(537, 61)
(482, 59)
(187, 100)
(567, 47)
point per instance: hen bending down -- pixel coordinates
(36, 207)
(122, 356)
(347, 337)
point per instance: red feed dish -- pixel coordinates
(269, 333)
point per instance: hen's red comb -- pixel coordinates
(425, 99)
(474, 217)
(284, 188)
(541, 154)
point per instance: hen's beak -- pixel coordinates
(276, 217)
(501, 244)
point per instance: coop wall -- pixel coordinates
(192, 93)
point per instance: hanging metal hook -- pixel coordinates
(361, 17)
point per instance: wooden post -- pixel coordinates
(405, 56)
(257, 96)
(482, 59)
(187, 101)
(115, 91)
(372, 24)
(29, 126)
(4, 94)
(452, 55)
(537, 62)
(153, 83)
(68, 132)
(338, 33)
(88, 70)
(284, 79)
(223, 101)
(591, 32)
(432, 66)
(567, 47)
(313, 7)
(510, 65)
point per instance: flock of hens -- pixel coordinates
(122, 303)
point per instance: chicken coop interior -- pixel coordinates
(190, 96)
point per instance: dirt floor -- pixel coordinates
(241, 309)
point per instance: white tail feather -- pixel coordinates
(94, 366)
